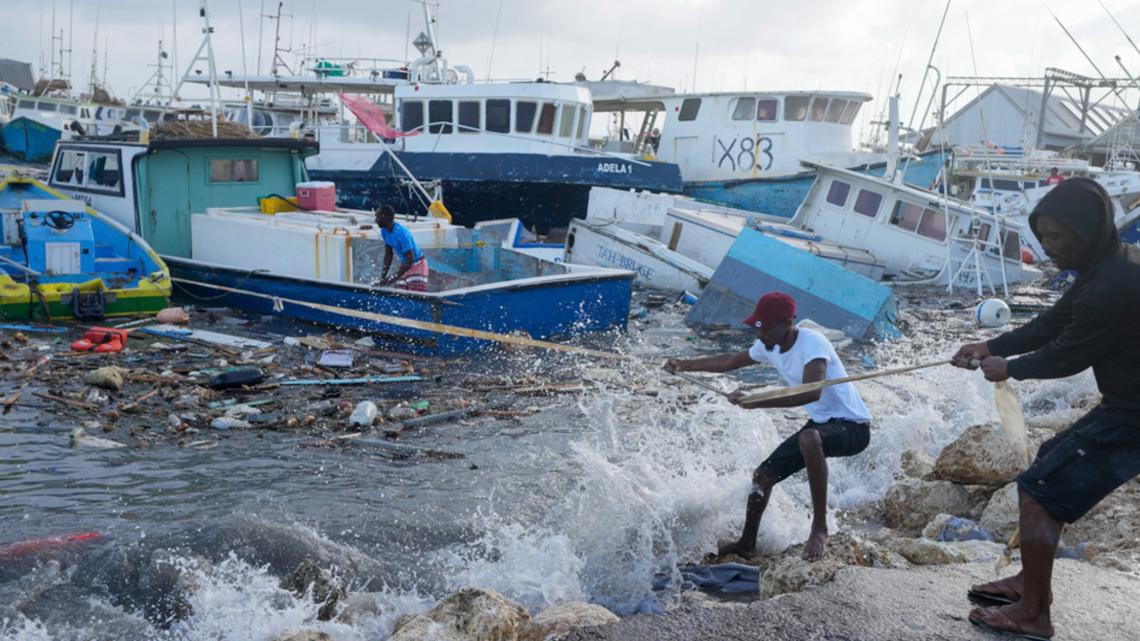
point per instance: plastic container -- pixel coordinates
(364, 414)
(276, 204)
(317, 195)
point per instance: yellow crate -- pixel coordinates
(274, 204)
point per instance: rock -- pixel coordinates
(553, 623)
(788, 572)
(169, 581)
(946, 527)
(927, 552)
(916, 464)
(911, 503)
(108, 378)
(303, 635)
(980, 456)
(311, 581)
(1002, 513)
(229, 423)
(470, 614)
(361, 605)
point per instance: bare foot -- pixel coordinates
(816, 545)
(1014, 619)
(725, 548)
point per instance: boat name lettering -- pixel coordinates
(745, 153)
(615, 168)
(624, 262)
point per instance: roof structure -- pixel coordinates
(18, 74)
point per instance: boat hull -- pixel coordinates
(543, 191)
(782, 196)
(30, 140)
(543, 309)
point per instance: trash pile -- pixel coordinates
(190, 377)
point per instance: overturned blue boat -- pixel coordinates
(825, 292)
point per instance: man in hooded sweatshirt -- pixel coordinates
(1096, 324)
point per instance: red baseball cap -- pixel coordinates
(772, 307)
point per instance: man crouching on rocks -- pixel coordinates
(1095, 324)
(839, 425)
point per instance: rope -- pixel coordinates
(410, 323)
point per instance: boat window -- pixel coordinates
(933, 224)
(689, 109)
(85, 113)
(1011, 248)
(583, 118)
(46, 106)
(838, 192)
(566, 122)
(498, 116)
(70, 110)
(70, 167)
(411, 115)
(984, 232)
(766, 109)
(99, 112)
(867, 202)
(546, 119)
(906, 216)
(439, 116)
(228, 170)
(983, 183)
(795, 107)
(850, 112)
(818, 109)
(745, 107)
(1029, 184)
(524, 116)
(26, 104)
(103, 173)
(1044, 182)
(151, 116)
(132, 114)
(836, 110)
(469, 117)
(1007, 185)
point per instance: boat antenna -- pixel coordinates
(93, 81)
(1118, 26)
(206, 48)
(697, 46)
(245, 70)
(926, 74)
(494, 39)
(174, 41)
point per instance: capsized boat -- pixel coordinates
(61, 259)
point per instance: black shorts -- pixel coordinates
(1077, 468)
(840, 438)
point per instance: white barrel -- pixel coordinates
(992, 312)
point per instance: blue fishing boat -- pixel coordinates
(60, 259)
(205, 207)
(30, 139)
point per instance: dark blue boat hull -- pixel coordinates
(543, 191)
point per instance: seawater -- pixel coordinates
(590, 499)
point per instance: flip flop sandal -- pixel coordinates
(990, 599)
(1013, 630)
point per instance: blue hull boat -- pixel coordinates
(485, 288)
(30, 140)
(782, 196)
(543, 191)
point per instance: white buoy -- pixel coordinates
(992, 312)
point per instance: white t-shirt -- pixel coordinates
(835, 401)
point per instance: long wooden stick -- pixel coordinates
(696, 381)
(416, 324)
(784, 392)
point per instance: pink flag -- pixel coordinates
(372, 116)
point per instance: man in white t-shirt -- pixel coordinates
(839, 425)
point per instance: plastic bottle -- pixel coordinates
(364, 414)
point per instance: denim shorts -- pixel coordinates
(1077, 468)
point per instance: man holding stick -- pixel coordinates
(839, 425)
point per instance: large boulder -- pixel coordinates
(789, 572)
(470, 614)
(1002, 513)
(912, 503)
(553, 623)
(980, 456)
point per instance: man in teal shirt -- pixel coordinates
(412, 274)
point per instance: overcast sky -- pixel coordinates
(709, 45)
